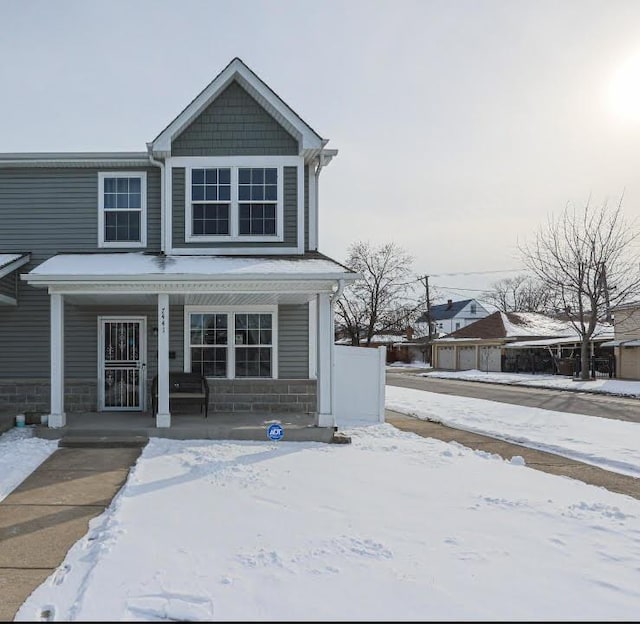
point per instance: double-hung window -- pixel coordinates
(231, 344)
(122, 209)
(234, 203)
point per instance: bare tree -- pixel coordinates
(381, 300)
(521, 293)
(589, 260)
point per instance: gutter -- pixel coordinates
(163, 217)
(35, 278)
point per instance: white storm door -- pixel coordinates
(122, 363)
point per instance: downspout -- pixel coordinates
(338, 291)
(158, 163)
(317, 197)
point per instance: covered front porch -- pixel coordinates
(260, 330)
(135, 428)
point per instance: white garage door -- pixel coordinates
(466, 358)
(445, 358)
(490, 360)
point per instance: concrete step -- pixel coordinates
(98, 441)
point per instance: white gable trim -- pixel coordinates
(237, 70)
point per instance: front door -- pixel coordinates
(122, 363)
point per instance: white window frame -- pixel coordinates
(231, 311)
(234, 205)
(102, 176)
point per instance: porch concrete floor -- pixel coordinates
(135, 428)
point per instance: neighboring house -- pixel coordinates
(198, 254)
(451, 316)
(515, 342)
(626, 342)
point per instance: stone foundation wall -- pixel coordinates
(226, 395)
(262, 395)
(34, 395)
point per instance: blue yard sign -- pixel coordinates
(275, 431)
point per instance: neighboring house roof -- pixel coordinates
(444, 311)
(518, 325)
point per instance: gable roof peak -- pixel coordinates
(309, 141)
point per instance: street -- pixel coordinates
(604, 406)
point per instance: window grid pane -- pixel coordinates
(122, 226)
(208, 342)
(253, 361)
(258, 194)
(122, 203)
(210, 219)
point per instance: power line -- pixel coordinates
(478, 272)
(458, 288)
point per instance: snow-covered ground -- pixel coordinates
(601, 386)
(391, 527)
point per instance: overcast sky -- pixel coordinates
(460, 125)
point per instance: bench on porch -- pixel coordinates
(184, 387)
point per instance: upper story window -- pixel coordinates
(122, 209)
(473, 308)
(234, 203)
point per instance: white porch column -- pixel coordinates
(163, 417)
(325, 417)
(57, 418)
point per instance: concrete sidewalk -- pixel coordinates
(546, 462)
(50, 511)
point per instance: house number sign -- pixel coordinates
(163, 319)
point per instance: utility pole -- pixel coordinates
(605, 288)
(429, 324)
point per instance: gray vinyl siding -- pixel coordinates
(51, 211)
(25, 337)
(8, 285)
(290, 191)
(47, 212)
(234, 123)
(293, 341)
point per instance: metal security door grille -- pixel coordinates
(123, 365)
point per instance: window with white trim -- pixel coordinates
(234, 203)
(230, 344)
(122, 207)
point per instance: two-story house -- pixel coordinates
(198, 254)
(451, 316)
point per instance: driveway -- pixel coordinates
(604, 406)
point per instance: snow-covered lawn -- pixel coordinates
(603, 386)
(391, 527)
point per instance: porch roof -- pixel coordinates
(146, 272)
(629, 342)
(11, 262)
(566, 340)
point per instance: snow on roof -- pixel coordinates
(547, 342)
(8, 259)
(386, 338)
(17, 259)
(67, 266)
(534, 324)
